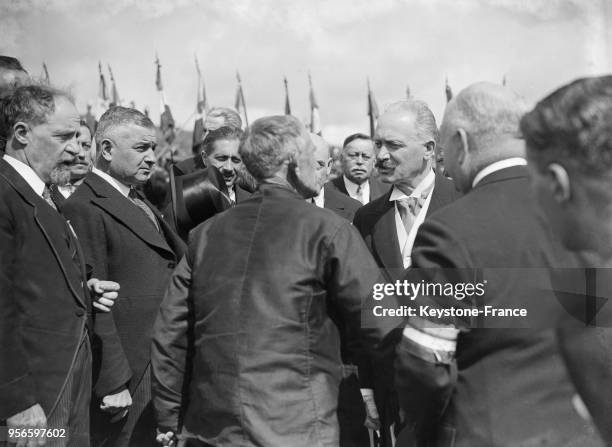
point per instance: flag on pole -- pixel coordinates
(315, 119)
(239, 103)
(115, 101)
(504, 81)
(408, 93)
(449, 92)
(373, 109)
(46, 74)
(102, 101)
(166, 121)
(199, 131)
(287, 104)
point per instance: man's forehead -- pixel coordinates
(135, 132)
(396, 124)
(360, 144)
(227, 146)
(65, 114)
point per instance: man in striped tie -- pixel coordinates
(124, 238)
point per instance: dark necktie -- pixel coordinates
(133, 196)
(47, 196)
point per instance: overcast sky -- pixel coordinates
(536, 44)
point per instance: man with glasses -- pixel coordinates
(406, 138)
(357, 161)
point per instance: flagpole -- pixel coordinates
(287, 103)
(241, 93)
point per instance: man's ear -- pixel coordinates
(106, 150)
(560, 185)
(330, 163)
(21, 132)
(430, 150)
(464, 146)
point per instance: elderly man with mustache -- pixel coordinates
(406, 138)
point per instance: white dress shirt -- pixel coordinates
(319, 199)
(406, 239)
(124, 190)
(498, 166)
(363, 196)
(27, 173)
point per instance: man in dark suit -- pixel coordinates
(568, 139)
(124, 238)
(448, 369)
(45, 356)
(358, 179)
(406, 138)
(329, 198)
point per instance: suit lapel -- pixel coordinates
(47, 219)
(339, 183)
(384, 235)
(122, 209)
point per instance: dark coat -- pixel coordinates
(376, 223)
(377, 188)
(121, 244)
(341, 204)
(258, 279)
(43, 299)
(506, 386)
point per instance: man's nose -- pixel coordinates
(150, 157)
(383, 154)
(72, 147)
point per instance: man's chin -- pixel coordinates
(60, 176)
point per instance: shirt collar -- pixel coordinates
(498, 166)
(424, 186)
(319, 199)
(351, 187)
(124, 190)
(28, 174)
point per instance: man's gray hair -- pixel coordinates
(425, 122)
(269, 142)
(116, 116)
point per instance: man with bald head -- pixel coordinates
(341, 204)
(460, 382)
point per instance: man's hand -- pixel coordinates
(167, 439)
(372, 421)
(104, 293)
(117, 404)
(34, 417)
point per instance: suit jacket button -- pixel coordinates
(171, 264)
(79, 312)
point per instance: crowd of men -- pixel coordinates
(122, 325)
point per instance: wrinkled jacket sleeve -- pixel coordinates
(351, 274)
(170, 349)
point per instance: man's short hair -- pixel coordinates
(31, 104)
(11, 63)
(573, 127)
(425, 121)
(222, 133)
(116, 116)
(356, 136)
(231, 118)
(269, 142)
